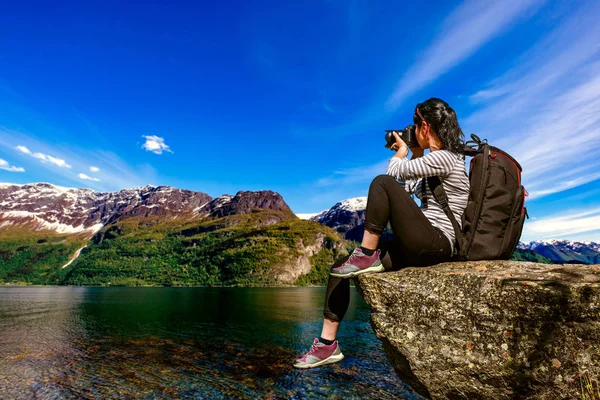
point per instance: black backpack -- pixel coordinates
(493, 220)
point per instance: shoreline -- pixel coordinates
(161, 286)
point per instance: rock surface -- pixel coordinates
(489, 329)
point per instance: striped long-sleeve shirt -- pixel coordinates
(450, 167)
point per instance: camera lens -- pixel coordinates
(389, 139)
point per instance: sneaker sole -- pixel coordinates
(328, 360)
(379, 268)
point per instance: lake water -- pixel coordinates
(122, 343)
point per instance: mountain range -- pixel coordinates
(158, 235)
(84, 211)
(565, 251)
(347, 217)
(168, 236)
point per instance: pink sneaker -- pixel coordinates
(358, 263)
(320, 354)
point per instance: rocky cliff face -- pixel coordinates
(490, 329)
(244, 202)
(289, 271)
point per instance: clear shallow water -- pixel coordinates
(149, 343)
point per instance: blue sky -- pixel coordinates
(294, 96)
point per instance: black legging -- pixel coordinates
(415, 241)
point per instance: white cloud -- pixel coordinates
(5, 166)
(94, 169)
(468, 28)
(155, 144)
(52, 160)
(44, 157)
(84, 176)
(562, 226)
(24, 149)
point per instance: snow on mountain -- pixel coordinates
(349, 205)
(346, 217)
(72, 210)
(37, 223)
(565, 251)
(354, 204)
(567, 244)
(38, 206)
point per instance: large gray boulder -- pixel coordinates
(489, 329)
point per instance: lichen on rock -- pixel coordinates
(489, 329)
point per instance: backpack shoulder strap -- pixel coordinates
(440, 196)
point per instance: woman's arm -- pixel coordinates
(411, 184)
(435, 163)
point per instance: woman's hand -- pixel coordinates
(400, 146)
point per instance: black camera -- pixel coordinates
(407, 134)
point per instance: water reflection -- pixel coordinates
(64, 342)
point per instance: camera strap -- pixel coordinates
(424, 193)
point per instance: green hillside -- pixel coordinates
(530, 255)
(240, 249)
(35, 257)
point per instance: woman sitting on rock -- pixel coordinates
(422, 235)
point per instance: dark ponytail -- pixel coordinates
(442, 118)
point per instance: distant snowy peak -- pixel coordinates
(318, 216)
(560, 243)
(38, 206)
(565, 251)
(346, 217)
(41, 185)
(354, 204)
(49, 187)
(44, 188)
